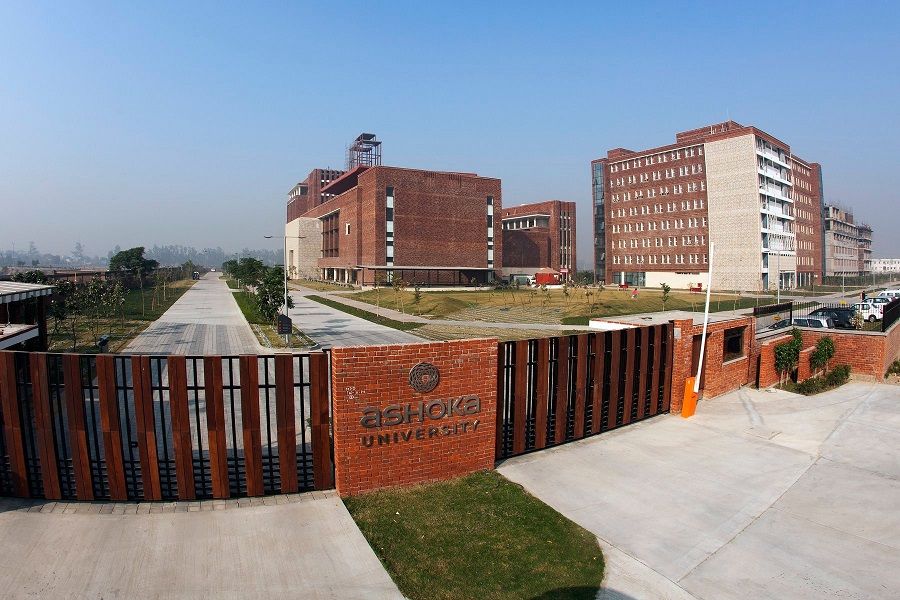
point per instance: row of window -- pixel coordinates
(684, 171)
(652, 159)
(660, 259)
(490, 231)
(657, 209)
(663, 190)
(686, 240)
(657, 225)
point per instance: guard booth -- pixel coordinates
(23, 315)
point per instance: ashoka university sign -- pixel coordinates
(408, 414)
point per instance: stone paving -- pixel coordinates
(205, 320)
(762, 494)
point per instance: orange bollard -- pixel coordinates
(689, 406)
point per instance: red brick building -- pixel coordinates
(308, 193)
(379, 222)
(537, 236)
(657, 210)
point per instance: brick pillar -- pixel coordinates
(681, 360)
(804, 369)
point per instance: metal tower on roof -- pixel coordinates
(364, 151)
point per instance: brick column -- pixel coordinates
(681, 361)
(386, 433)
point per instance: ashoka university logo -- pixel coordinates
(424, 377)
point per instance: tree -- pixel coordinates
(270, 293)
(399, 286)
(787, 355)
(60, 303)
(78, 254)
(666, 292)
(823, 352)
(34, 276)
(132, 262)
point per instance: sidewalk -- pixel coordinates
(205, 320)
(295, 546)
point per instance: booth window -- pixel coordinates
(734, 344)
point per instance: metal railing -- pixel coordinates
(555, 390)
(118, 427)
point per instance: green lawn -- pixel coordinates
(364, 314)
(480, 536)
(247, 304)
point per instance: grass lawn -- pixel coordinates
(264, 330)
(532, 305)
(480, 536)
(363, 314)
(120, 328)
(319, 286)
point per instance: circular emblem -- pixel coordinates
(424, 377)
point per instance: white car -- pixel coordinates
(869, 311)
(813, 322)
(892, 294)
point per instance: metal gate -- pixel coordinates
(121, 428)
(555, 390)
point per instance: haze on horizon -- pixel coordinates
(166, 123)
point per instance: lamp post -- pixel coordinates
(285, 268)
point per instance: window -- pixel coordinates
(733, 346)
(346, 228)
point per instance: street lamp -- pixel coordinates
(285, 238)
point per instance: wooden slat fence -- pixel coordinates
(555, 390)
(118, 427)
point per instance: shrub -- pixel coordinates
(838, 376)
(894, 369)
(787, 355)
(811, 386)
(823, 352)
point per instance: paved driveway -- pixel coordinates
(205, 320)
(308, 548)
(331, 327)
(760, 495)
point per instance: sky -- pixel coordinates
(187, 123)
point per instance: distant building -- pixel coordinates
(23, 315)
(539, 236)
(885, 265)
(378, 223)
(848, 245)
(657, 210)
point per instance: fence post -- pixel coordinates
(616, 351)
(323, 466)
(581, 373)
(284, 415)
(520, 401)
(109, 423)
(215, 423)
(597, 396)
(250, 422)
(181, 427)
(12, 431)
(542, 393)
(43, 425)
(146, 426)
(78, 442)
(642, 377)
(562, 389)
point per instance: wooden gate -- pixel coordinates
(117, 427)
(556, 390)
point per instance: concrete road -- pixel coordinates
(308, 548)
(331, 327)
(760, 495)
(205, 320)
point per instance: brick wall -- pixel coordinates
(377, 377)
(720, 376)
(764, 360)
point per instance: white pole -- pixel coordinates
(287, 335)
(778, 284)
(712, 250)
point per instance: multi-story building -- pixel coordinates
(308, 193)
(848, 245)
(539, 236)
(375, 223)
(656, 212)
(886, 265)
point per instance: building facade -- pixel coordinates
(848, 245)
(656, 212)
(375, 224)
(886, 265)
(539, 236)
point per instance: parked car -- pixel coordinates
(880, 300)
(869, 311)
(842, 316)
(814, 322)
(892, 294)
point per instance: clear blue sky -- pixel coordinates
(140, 123)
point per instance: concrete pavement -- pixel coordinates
(760, 495)
(205, 320)
(331, 327)
(306, 546)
